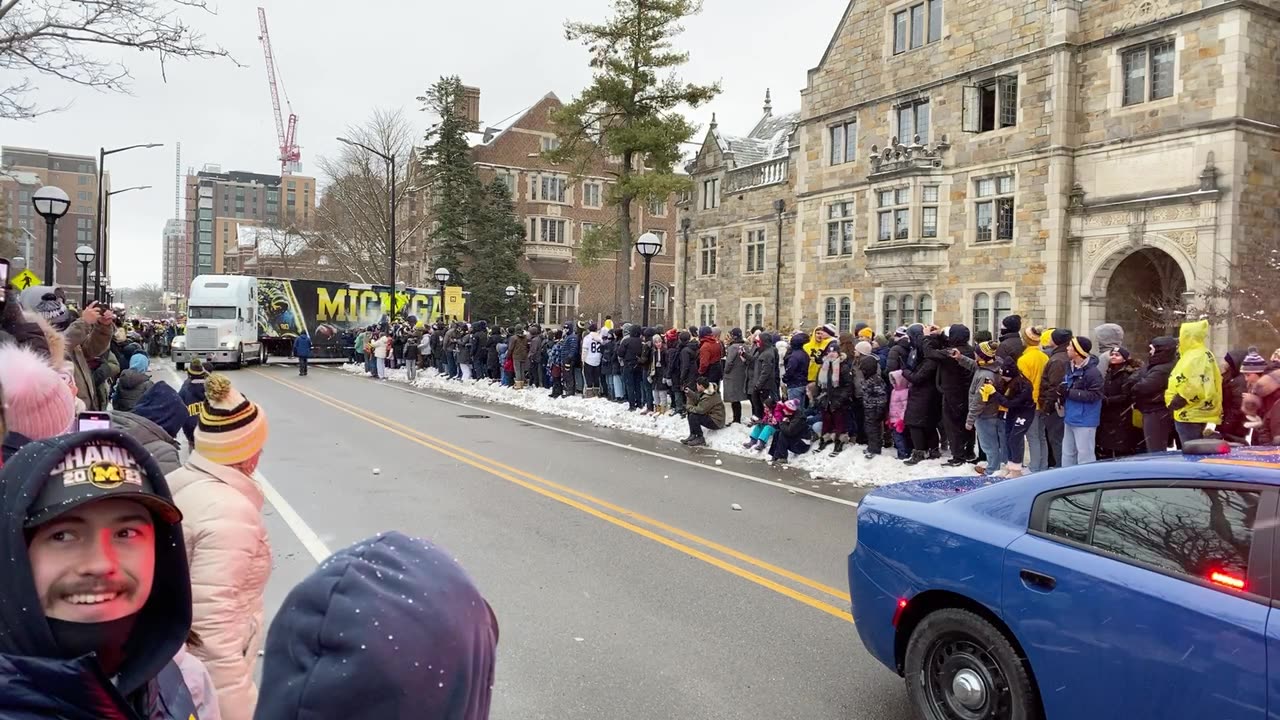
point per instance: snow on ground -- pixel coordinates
(849, 467)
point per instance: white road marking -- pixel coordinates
(308, 537)
(700, 466)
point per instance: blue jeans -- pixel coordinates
(1189, 431)
(631, 383)
(452, 360)
(618, 392)
(900, 444)
(1078, 445)
(993, 441)
(1038, 443)
(796, 393)
(646, 392)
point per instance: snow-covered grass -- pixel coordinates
(849, 467)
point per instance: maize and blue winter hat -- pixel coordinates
(1253, 363)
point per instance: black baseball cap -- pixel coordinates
(86, 467)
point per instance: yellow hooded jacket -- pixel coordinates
(816, 349)
(1196, 378)
(1031, 363)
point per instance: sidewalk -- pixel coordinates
(850, 467)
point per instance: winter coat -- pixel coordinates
(738, 359)
(978, 407)
(466, 345)
(710, 403)
(165, 407)
(954, 378)
(382, 347)
(1147, 386)
(85, 342)
(898, 397)
(569, 348)
(656, 368)
(480, 351)
(1232, 427)
(1117, 435)
(898, 355)
(1011, 346)
(1017, 396)
(1194, 393)
(413, 348)
(764, 370)
(1083, 392)
(1263, 401)
(923, 402)
(519, 349)
(1031, 364)
(836, 383)
(796, 371)
(671, 361)
(350, 641)
(875, 394)
(130, 388)
(159, 443)
(816, 351)
(710, 353)
(1055, 372)
(230, 561)
(631, 348)
(689, 365)
(536, 343)
(302, 346)
(192, 394)
(38, 683)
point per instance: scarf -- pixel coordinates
(829, 375)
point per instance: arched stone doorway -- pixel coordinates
(1145, 297)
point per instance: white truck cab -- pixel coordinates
(222, 322)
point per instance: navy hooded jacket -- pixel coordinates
(390, 628)
(163, 406)
(36, 681)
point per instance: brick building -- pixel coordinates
(27, 170)
(175, 258)
(1074, 162)
(556, 207)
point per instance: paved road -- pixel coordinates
(624, 583)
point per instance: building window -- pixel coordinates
(1148, 72)
(752, 315)
(82, 180)
(907, 309)
(592, 195)
(658, 300)
(707, 313)
(917, 26)
(893, 218)
(557, 302)
(707, 252)
(82, 196)
(840, 229)
(890, 314)
(753, 248)
(549, 188)
(994, 208)
(662, 240)
(658, 208)
(985, 317)
(711, 194)
(588, 228)
(509, 179)
(924, 310)
(929, 211)
(913, 120)
(550, 143)
(548, 230)
(838, 311)
(844, 138)
(991, 105)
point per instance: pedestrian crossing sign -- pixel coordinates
(25, 279)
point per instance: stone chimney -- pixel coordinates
(470, 107)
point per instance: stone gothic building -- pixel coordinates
(957, 161)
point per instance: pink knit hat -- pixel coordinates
(38, 403)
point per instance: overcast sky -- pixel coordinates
(340, 60)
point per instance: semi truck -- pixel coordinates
(280, 309)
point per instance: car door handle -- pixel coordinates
(1037, 581)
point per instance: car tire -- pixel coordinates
(262, 355)
(958, 666)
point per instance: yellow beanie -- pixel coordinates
(230, 429)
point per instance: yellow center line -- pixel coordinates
(641, 531)
(710, 544)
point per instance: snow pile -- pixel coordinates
(849, 467)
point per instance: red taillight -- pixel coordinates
(897, 614)
(1231, 581)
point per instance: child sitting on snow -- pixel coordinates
(763, 430)
(791, 435)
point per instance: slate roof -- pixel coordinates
(769, 140)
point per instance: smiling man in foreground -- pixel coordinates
(97, 599)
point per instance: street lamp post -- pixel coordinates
(85, 255)
(648, 245)
(51, 203)
(100, 239)
(685, 225)
(510, 292)
(391, 231)
(442, 276)
(106, 222)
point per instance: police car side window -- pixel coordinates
(1069, 516)
(1204, 532)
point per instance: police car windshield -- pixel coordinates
(211, 313)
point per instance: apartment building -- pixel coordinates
(557, 208)
(1073, 162)
(175, 258)
(25, 170)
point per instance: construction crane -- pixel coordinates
(290, 153)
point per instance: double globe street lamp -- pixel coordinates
(51, 203)
(85, 255)
(648, 245)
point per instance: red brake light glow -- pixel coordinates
(1221, 578)
(897, 614)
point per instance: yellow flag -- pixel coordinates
(453, 305)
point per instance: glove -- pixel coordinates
(986, 391)
(1177, 403)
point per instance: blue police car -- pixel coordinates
(1140, 588)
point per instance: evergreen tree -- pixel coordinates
(451, 179)
(496, 251)
(630, 111)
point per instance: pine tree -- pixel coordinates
(451, 179)
(630, 111)
(498, 245)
